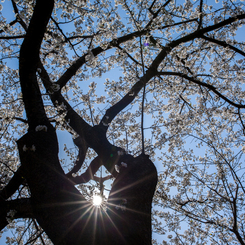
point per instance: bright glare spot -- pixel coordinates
(97, 200)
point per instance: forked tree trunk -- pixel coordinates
(60, 209)
(64, 214)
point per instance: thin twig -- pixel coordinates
(143, 100)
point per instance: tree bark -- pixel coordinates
(67, 217)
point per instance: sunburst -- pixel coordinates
(97, 200)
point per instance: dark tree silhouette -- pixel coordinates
(182, 65)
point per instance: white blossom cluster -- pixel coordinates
(55, 87)
(89, 56)
(120, 207)
(41, 128)
(10, 215)
(118, 167)
(32, 148)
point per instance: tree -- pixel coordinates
(179, 84)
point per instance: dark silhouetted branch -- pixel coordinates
(83, 147)
(13, 184)
(224, 44)
(209, 86)
(28, 63)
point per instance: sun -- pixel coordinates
(97, 200)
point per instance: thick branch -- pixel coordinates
(224, 44)
(12, 37)
(127, 99)
(13, 185)
(209, 86)
(196, 34)
(82, 145)
(71, 71)
(29, 58)
(89, 173)
(21, 208)
(75, 121)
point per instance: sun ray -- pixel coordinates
(131, 185)
(113, 224)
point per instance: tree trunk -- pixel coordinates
(65, 215)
